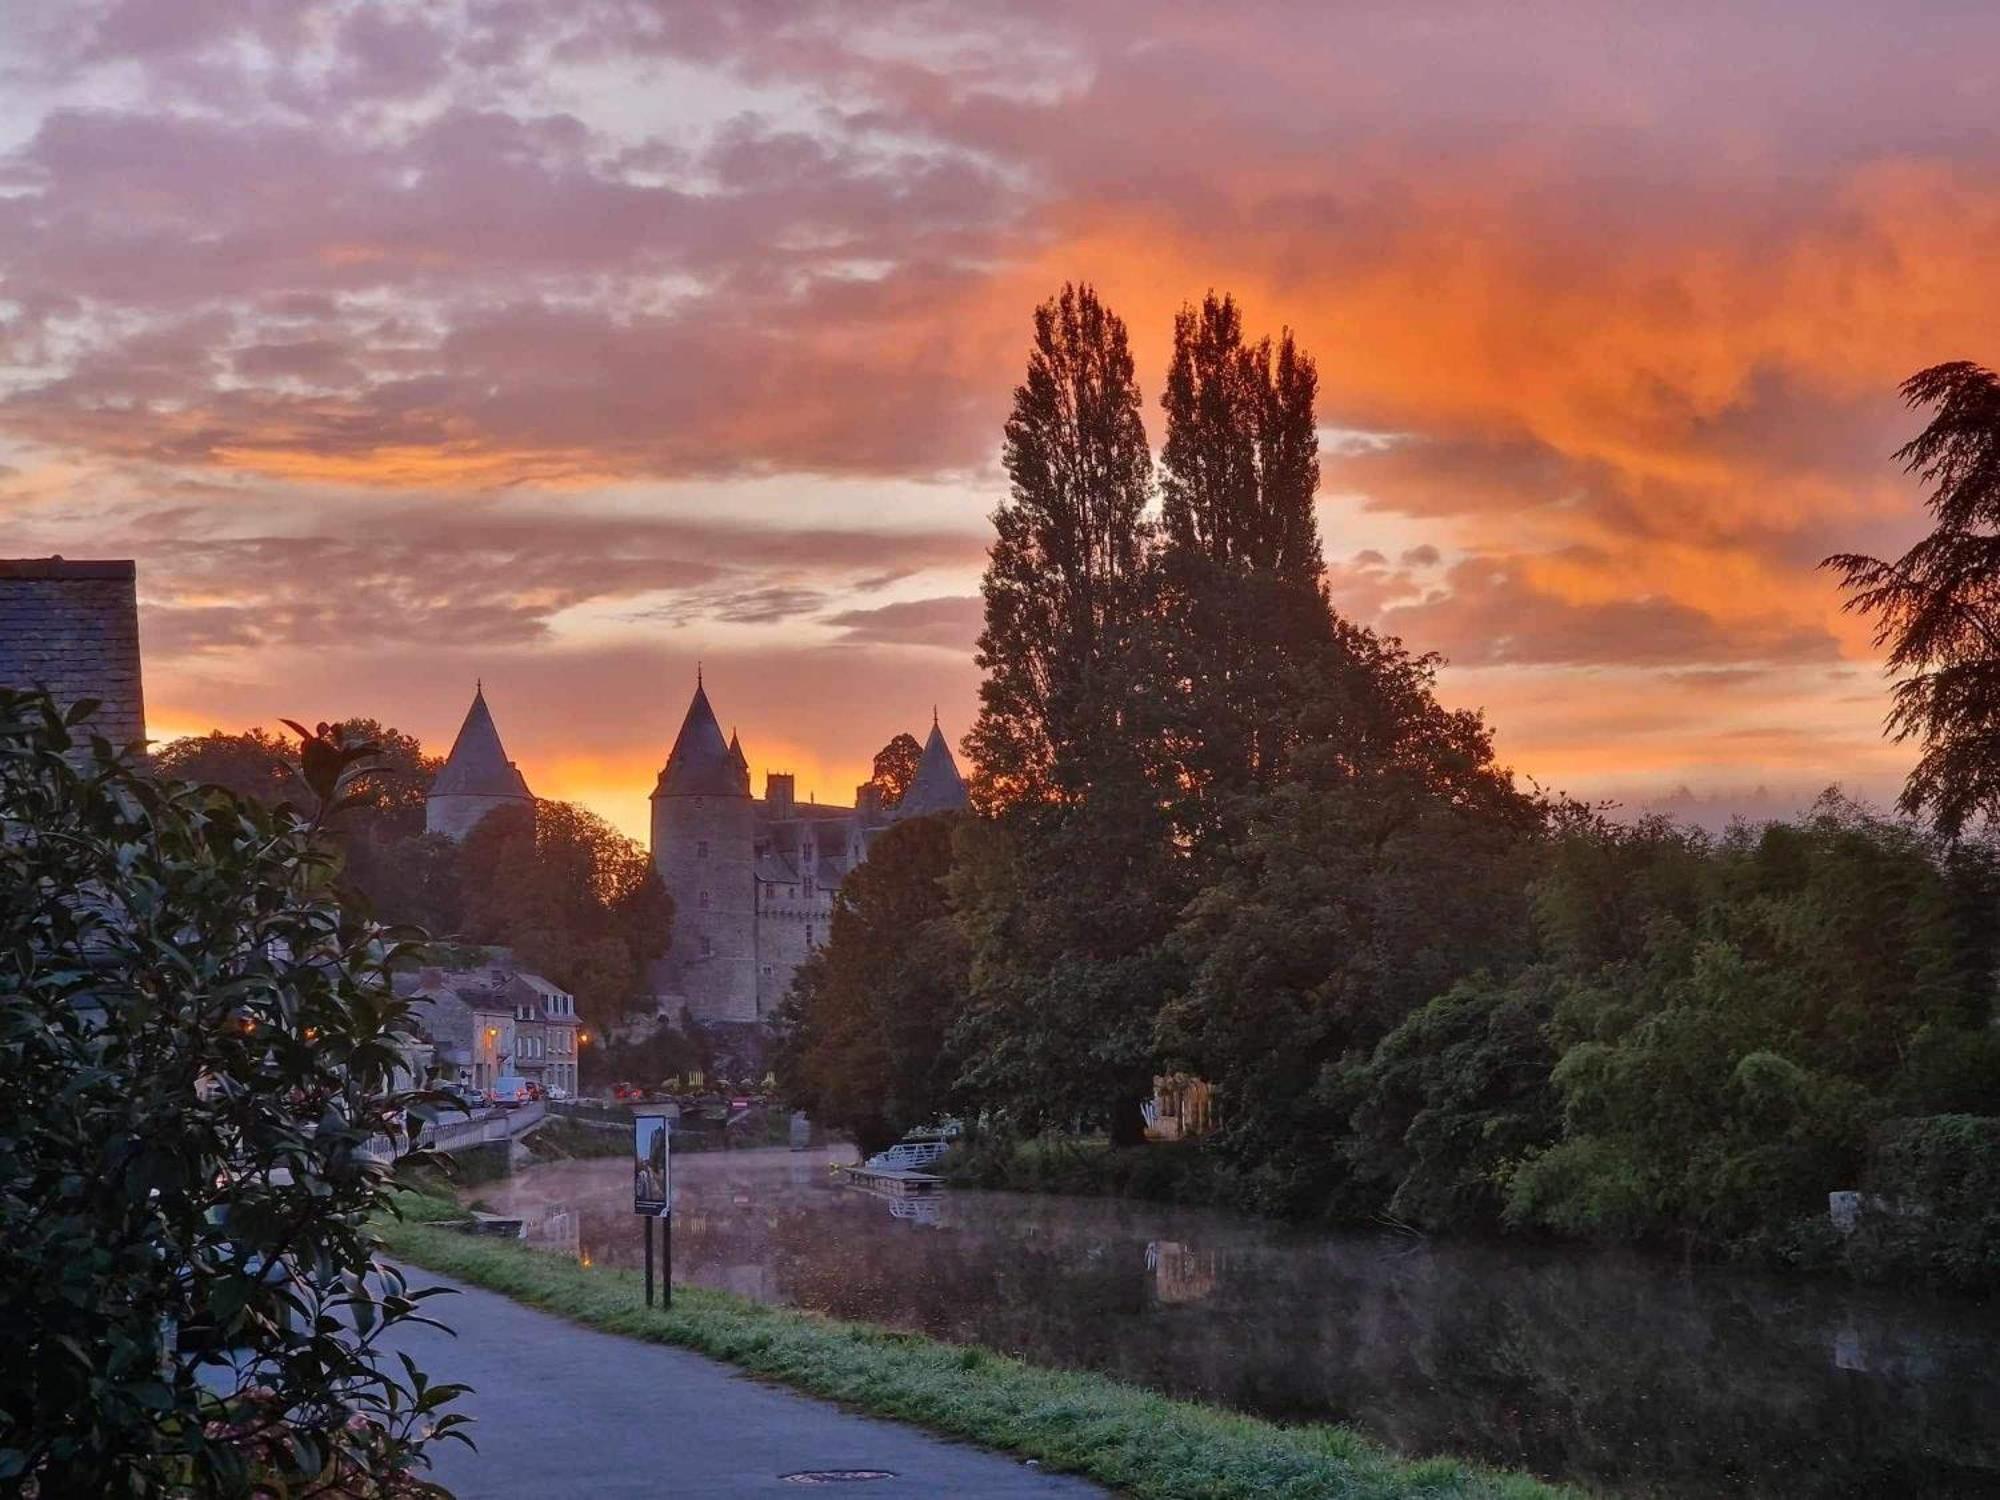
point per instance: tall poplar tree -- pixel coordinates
(1062, 585)
(1068, 909)
(1243, 610)
(1241, 462)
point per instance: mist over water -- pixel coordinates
(1627, 1374)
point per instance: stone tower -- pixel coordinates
(73, 628)
(704, 847)
(477, 777)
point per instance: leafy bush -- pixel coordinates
(1933, 1190)
(199, 1048)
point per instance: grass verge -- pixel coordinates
(1133, 1440)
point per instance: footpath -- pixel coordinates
(563, 1412)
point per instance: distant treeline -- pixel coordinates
(1221, 830)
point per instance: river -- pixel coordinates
(1627, 1375)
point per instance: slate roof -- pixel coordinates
(937, 787)
(701, 763)
(478, 764)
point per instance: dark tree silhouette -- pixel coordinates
(895, 768)
(1241, 606)
(1937, 607)
(1240, 464)
(252, 764)
(1061, 584)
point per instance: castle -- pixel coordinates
(752, 879)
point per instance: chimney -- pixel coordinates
(778, 794)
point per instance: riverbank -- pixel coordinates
(1945, 1238)
(1119, 1435)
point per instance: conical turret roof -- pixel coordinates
(937, 787)
(701, 764)
(736, 754)
(478, 764)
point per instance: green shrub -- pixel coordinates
(198, 1044)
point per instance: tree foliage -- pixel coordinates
(1767, 1000)
(895, 768)
(1937, 607)
(574, 898)
(198, 1042)
(866, 1019)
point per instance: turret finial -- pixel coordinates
(697, 674)
(934, 719)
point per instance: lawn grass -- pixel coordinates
(1130, 1439)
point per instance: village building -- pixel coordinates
(491, 1019)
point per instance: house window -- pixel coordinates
(701, 849)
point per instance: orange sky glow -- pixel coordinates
(567, 346)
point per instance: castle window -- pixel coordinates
(701, 849)
(809, 937)
(704, 900)
(707, 946)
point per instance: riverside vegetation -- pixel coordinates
(1133, 1440)
(1221, 830)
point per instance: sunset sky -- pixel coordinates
(563, 344)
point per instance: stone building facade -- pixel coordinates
(73, 628)
(753, 879)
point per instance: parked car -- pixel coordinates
(558, 1094)
(511, 1090)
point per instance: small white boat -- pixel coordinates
(907, 1156)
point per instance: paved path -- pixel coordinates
(565, 1411)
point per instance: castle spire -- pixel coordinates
(701, 764)
(937, 787)
(476, 777)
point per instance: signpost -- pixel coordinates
(652, 1197)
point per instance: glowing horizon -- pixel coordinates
(566, 348)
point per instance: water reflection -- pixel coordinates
(1612, 1370)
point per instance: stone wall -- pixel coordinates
(455, 816)
(790, 924)
(73, 627)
